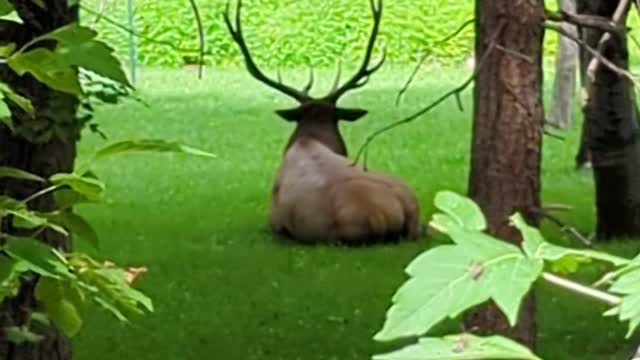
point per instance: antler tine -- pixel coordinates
(252, 67)
(309, 85)
(362, 75)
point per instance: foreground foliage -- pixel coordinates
(74, 62)
(450, 279)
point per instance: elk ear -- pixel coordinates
(294, 114)
(351, 114)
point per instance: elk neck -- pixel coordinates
(326, 133)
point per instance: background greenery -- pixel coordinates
(293, 33)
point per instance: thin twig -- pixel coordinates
(557, 207)
(583, 290)
(103, 8)
(606, 62)
(141, 36)
(196, 13)
(587, 21)
(566, 228)
(426, 55)
(555, 136)
(634, 40)
(455, 92)
(621, 10)
(515, 53)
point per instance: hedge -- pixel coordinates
(294, 33)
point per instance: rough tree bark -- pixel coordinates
(49, 155)
(507, 135)
(612, 136)
(564, 86)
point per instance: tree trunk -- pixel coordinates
(612, 120)
(583, 157)
(46, 146)
(507, 135)
(564, 87)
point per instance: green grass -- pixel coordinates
(225, 289)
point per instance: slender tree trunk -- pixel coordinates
(564, 87)
(507, 135)
(45, 146)
(612, 120)
(583, 157)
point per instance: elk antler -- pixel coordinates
(253, 69)
(364, 73)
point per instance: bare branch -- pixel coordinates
(621, 10)
(196, 13)
(588, 21)
(455, 92)
(515, 53)
(554, 135)
(137, 34)
(565, 227)
(596, 54)
(426, 54)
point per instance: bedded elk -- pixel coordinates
(320, 195)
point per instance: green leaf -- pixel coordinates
(49, 68)
(58, 307)
(9, 204)
(40, 3)
(37, 256)
(91, 188)
(628, 285)
(24, 103)
(462, 347)
(6, 268)
(474, 240)
(40, 318)
(10, 277)
(71, 34)
(463, 210)
(509, 283)
(450, 279)
(67, 198)
(77, 225)
(97, 57)
(6, 51)
(9, 172)
(149, 145)
(5, 7)
(6, 120)
(536, 247)
(24, 218)
(22, 334)
(77, 46)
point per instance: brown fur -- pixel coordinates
(320, 196)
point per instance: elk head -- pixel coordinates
(315, 117)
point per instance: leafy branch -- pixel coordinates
(69, 280)
(448, 280)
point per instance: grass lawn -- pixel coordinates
(225, 289)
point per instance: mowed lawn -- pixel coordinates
(224, 288)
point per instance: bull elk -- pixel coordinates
(319, 194)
